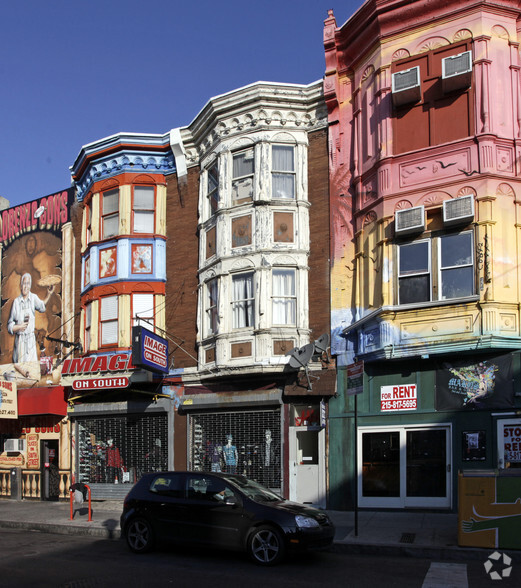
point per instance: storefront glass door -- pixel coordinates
(404, 467)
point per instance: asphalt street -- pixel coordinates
(41, 559)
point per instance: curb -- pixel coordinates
(105, 533)
(454, 553)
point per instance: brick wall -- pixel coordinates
(182, 251)
(318, 182)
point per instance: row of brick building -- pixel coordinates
(287, 237)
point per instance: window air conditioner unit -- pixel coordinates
(409, 220)
(456, 71)
(459, 211)
(406, 86)
(14, 445)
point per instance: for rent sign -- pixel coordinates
(394, 398)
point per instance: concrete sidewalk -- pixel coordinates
(418, 534)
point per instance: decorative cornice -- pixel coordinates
(125, 161)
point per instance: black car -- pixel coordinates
(221, 510)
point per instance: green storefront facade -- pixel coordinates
(415, 430)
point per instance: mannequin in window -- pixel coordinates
(155, 458)
(215, 455)
(114, 463)
(230, 455)
(269, 458)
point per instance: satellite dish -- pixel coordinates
(299, 357)
(322, 343)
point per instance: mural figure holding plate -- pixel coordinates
(21, 322)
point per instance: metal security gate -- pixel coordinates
(119, 449)
(245, 442)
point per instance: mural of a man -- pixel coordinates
(22, 320)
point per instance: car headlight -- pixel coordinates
(306, 522)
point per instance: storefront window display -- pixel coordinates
(120, 449)
(245, 443)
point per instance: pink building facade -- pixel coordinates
(424, 109)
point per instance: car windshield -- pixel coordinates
(253, 490)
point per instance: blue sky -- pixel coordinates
(73, 72)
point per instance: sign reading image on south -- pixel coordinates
(149, 351)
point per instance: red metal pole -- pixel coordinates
(90, 509)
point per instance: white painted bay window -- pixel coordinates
(243, 306)
(282, 171)
(212, 302)
(242, 176)
(284, 297)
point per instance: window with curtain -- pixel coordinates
(143, 308)
(212, 188)
(282, 171)
(109, 320)
(143, 208)
(110, 213)
(88, 323)
(243, 307)
(212, 317)
(242, 176)
(284, 297)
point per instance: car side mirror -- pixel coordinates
(231, 501)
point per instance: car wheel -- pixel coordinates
(139, 535)
(266, 546)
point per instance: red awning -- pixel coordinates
(33, 401)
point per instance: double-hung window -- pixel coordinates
(282, 171)
(88, 323)
(456, 265)
(414, 281)
(212, 188)
(88, 223)
(109, 320)
(243, 307)
(143, 209)
(284, 297)
(110, 213)
(242, 176)
(143, 308)
(212, 301)
(440, 268)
